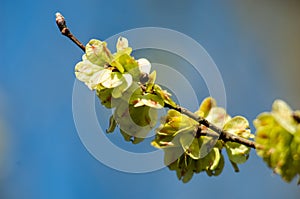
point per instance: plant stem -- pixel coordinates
(61, 24)
(223, 135)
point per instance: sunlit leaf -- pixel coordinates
(86, 72)
(190, 144)
(283, 115)
(238, 126)
(206, 106)
(97, 52)
(118, 66)
(151, 81)
(126, 83)
(172, 154)
(112, 125)
(114, 80)
(236, 152)
(218, 116)
(217, 158)
(164, 95)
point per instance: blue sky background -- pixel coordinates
(43, 156)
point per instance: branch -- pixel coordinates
(61, 24)
(223, 135)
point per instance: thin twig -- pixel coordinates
(61, 23)
(223, 135)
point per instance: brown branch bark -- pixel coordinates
(223, 135)
(62, 25)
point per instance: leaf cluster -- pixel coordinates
(193, 148)
(125, 84)
(278, 134)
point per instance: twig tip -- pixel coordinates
(59, 17)
(58, 14)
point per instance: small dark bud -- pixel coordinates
(198, 133)
(60, 21)
(296, 118)
(144, 78)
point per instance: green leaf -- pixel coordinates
(112, 125)
(171, 138)
(185, 168)
(87, 72)
(190, 145)
(151, 81)
(143, 116)
(126, 83)
(150, 100)
(165, 141)
(173, 166)
(112, 79)
(238, 126)
(176, 123)
(125, 135)
(137, 140)
(164, 95)
(130, 65)
(264, 119)
(118, 66)
(217, 159)
(235, 166)
(283, 115)
(208, 142)
(97, 52)
(172, 154)
(136, 122)
(105, 96)
(211, 163)
(188, 174)
(199, 165)
(218, 170)
(218, 116)
(236, 152)
(206, 105)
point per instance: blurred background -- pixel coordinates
(255, 44)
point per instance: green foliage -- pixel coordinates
(97, 52)
(135, 122)
(192, 148)
(126, 84)
(236, 152)
(117, 81)
(278, 136)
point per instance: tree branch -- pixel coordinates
(61, 24)
(223, 135)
